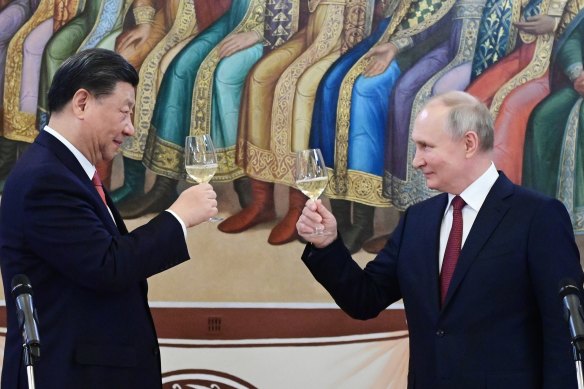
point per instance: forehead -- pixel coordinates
(431, 121)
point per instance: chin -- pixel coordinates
(109, 156)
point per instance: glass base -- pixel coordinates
(216, 219)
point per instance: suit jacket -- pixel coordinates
(88, 276)
(502, 324)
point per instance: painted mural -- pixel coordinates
(267, 78)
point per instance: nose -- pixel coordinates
(129, 130)
(418, 161)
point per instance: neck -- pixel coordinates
(475, 169)
(68, 128)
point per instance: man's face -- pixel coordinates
(441, 159)
(110, 121)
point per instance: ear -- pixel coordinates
(80, 102)
(471, 143)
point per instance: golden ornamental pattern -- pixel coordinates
(260, 162)
(166, 156)
(19, 125)
(144, 14)
(358, 186)
(203, 91)
(403, 193)
(571, 11)
(567, 167)
(326, 40)
(547, 7)
(184, 26)
(513, 30)
(538, 65)
(536, 68)
(432, 11)
(339, 179)
(357, 23)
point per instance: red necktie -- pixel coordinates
(452, 247)
(99, 187)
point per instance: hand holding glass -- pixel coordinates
(201, 161)
(311, 177)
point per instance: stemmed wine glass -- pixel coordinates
(311, 177)
(201, 161)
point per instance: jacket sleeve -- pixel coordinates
(62, 227)
(361, 293)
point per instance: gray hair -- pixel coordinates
(467, 113)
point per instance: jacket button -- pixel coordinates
(440, 333)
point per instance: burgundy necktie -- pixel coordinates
(452, 247)
(99, 187)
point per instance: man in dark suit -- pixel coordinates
(87, 271)
(484, 316)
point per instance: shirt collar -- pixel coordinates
(475, 194)
(87, 166)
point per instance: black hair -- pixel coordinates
(96, 70)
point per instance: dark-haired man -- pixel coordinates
(59, 227)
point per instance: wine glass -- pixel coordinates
(201, 161)
(311, 177)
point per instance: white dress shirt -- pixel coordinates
(474, 196)
(90, 169)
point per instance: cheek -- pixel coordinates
(432, 160)
(438, 166)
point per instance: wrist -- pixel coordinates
(144, 14)
(574, 71)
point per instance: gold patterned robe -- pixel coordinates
(411, 17)
(183, 16)
(286, 81)
(136, 54)
(19, 124)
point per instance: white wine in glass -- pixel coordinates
(201, 161)
(311, 177)
(202, 173)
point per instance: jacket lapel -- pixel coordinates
(430, 229)
(490, 215)
(62, 153)
(68, 159)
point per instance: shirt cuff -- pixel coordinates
(182, 224)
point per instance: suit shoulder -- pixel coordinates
(531, 196)
(36, 170)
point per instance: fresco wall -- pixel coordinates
(266, 78)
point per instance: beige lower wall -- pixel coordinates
(276, 347)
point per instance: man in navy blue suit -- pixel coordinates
(493, 317)
(59, 228)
